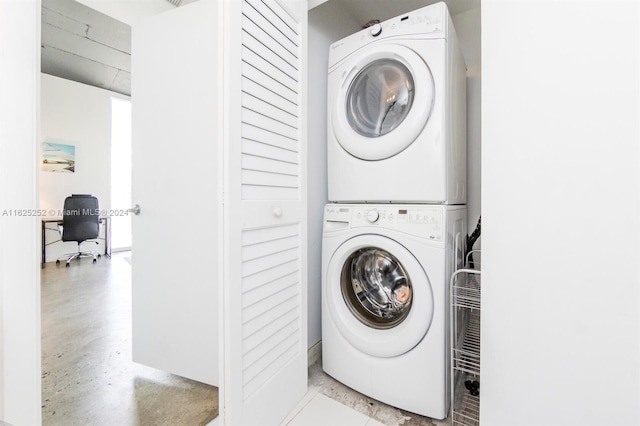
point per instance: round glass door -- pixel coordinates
(378, 295)
(376, 288)
(380, 97)
(383, 99)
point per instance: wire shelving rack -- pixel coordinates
(465, 342)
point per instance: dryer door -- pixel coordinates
(383, 102)
(379, 295)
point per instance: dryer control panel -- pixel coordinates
(429, 22)
(421, 221)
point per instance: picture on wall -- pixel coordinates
(57, 157)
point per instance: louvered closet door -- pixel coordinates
(265, 211)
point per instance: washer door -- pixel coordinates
(379, 296)
(383, 102)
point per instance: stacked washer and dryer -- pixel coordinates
(395, 228)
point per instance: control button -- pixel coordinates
(372, 216)
(375, 30)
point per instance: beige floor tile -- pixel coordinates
(324, 411)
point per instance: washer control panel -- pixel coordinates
(373, 215)
(422, 221)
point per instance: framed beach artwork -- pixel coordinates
(57, 157)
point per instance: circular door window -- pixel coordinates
(378, 295)
(380, 97)
(376, 288)
(382, 101)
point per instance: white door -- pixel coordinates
(175, 181)
(265, 319)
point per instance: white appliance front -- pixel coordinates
(397, 112)
(385, 279)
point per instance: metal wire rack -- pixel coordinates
(465, 344)
(466, 406)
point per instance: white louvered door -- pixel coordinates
(265, 305)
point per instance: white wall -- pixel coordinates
(80, 115)
(467, 25)
(561, 225)
(326, 25)
(19, 251)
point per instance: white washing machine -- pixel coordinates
(397, 112)
(385, 285)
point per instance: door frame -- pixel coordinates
(20, 350)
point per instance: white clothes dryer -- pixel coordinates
(385, 286)
(397, 112)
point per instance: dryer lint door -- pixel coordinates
(379, 296)
(384, 101)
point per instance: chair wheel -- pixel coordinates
(99, 256)
(94, 260)
(68, 265)
(57, 262)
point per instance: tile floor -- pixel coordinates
(329, 402)
(317, 409)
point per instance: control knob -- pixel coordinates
(375, 30)
(373, 216)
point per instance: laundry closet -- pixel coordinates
(253, 127)
(545, 359)
(396, 139)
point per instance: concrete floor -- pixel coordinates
(87, 373)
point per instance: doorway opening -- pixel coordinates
(120, 173)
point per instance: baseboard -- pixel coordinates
(120, 249)
(314, 353)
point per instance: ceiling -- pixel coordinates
(89, 41)
(83, 45)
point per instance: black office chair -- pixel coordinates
(80, 223)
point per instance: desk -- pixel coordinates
(106, 221)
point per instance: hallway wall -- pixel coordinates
(561, 213)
